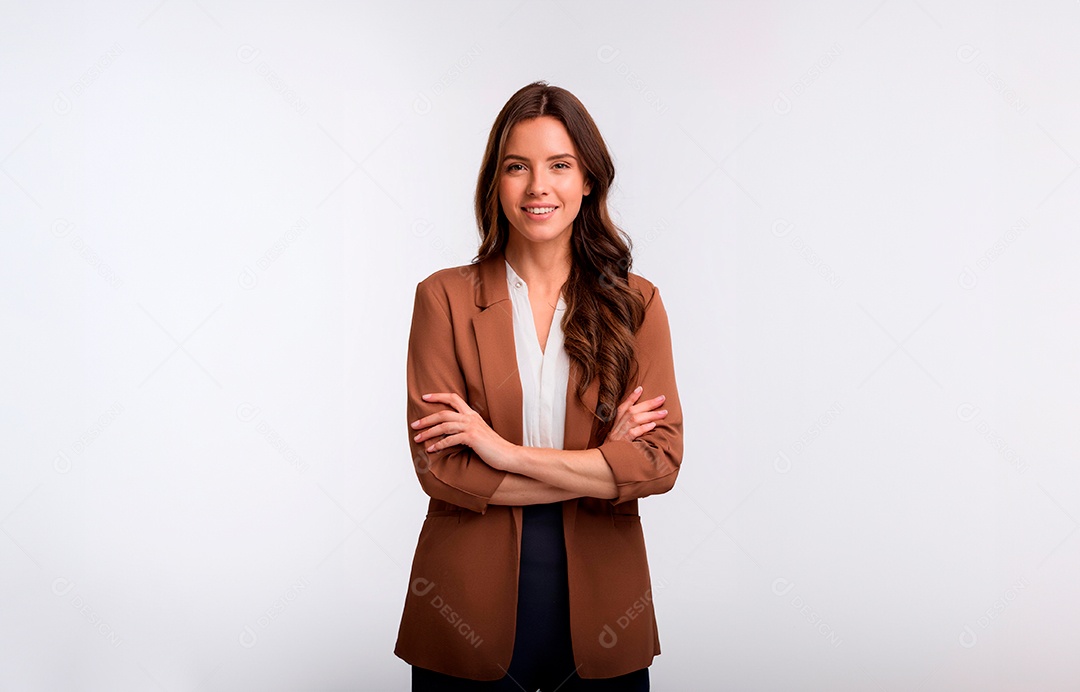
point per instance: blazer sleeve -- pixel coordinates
(650, 464)
(455, 474)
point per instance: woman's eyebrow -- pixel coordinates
(550, 158)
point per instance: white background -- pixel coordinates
(863, 220)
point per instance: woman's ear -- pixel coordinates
(588, 187)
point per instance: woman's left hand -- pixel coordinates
(463, 426)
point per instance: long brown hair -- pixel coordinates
(602, 311)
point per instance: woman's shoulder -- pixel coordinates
(449, 275)
(460, 280)
(647, 288)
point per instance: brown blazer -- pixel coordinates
(461, 605)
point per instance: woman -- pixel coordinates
(526, 372)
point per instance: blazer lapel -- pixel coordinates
(494, 328)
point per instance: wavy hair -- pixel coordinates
(602, 311)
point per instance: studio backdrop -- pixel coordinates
(862, 218)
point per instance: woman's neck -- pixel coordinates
(545, 268)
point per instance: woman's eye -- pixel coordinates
(563, 164)
(513, 167)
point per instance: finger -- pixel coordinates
(641, 429)
(445, 442)
(630, 399)
(433, 431)
(648, 416)
(649, 404)
(451, 398)
(432, 419)
(440, 397)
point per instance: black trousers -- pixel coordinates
(543, 658)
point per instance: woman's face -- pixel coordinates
(541, 180)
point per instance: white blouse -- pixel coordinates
(544, 374)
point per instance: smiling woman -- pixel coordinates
(536, 189)
(526, 374)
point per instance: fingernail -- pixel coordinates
(415, 423)
(425, 396)
(638, 388)
(661, 397)
(431, 448)
(417, 436)
(662, 412)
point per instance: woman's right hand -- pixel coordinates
(633, 419)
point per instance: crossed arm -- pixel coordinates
(517, 489)
(461, 460)
(537, 474)
(554, 475)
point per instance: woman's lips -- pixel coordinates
(540, 217)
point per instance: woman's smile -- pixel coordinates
(539, 213)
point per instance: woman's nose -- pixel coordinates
(538, 185)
